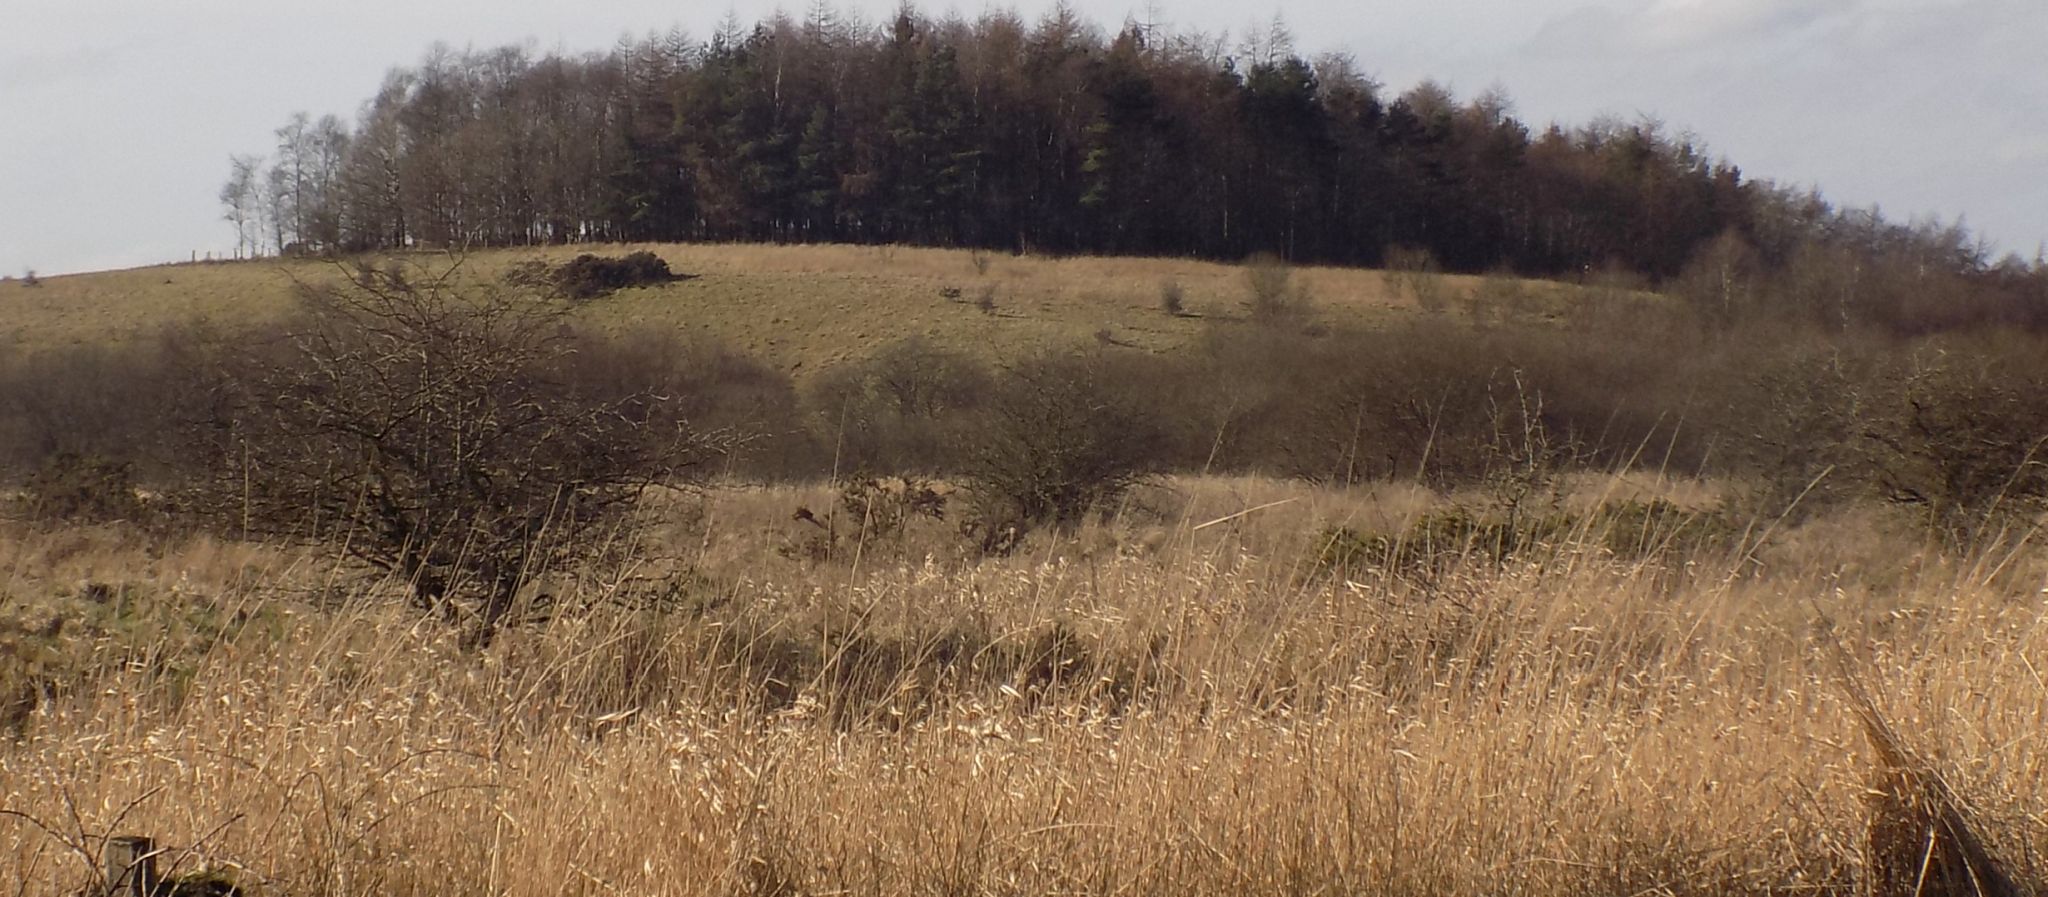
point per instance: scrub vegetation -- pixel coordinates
(1638, 529)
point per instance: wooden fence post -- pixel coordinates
(130, 862)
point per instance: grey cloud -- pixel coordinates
(40, 71)
(1904, 103)
(1683, 27)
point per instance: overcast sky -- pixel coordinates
(117, 117)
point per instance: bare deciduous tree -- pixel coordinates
(241, 199)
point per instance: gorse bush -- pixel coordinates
(589, 276)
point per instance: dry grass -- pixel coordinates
(1101, 715)
(802, 308)
(122, 306)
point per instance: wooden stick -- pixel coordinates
(1245, 512)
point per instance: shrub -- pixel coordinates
(884, 505)
(1963, 437)
(904, 410)
(1060, 437)
(82, 488)
(701, 384)
(1273, 297)
(128, 403)
(1432, 402)
(1414, 270)
(434, 429)
(875, 510)
(1173, 298)
(1795, 426)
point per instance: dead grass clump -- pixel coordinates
(1920, 840)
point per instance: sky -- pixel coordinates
(117, 117)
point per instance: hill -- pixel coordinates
(1064, 137)
(799, 308)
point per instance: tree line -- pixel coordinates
(1054, 136)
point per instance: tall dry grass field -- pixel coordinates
(1148, 706)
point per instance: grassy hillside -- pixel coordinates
(800, 308)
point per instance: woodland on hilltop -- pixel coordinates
(1047, 137)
